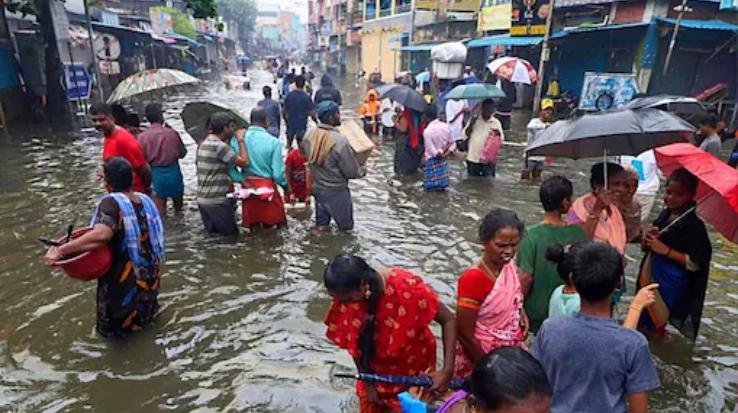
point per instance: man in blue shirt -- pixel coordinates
(593, 363)
(271, 107)
(297, 107)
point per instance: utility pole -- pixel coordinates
(545, 54)
(681, 9)
(98, 82)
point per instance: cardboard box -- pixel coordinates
(357, 138)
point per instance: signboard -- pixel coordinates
(108, 67)
(463, 5)
(109, 18)
(529, 17)
(426, 4)
(495, 16)
(161, 22)
(77, 82)
(602, 91)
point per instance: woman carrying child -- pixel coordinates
(489, 301)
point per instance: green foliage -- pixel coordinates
(242, 14)
(21, 6)
(202, 9)
(180, 22)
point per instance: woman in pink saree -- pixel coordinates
(489, 303)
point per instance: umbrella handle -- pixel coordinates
(677, 219)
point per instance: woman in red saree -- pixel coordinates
(489, 306)
(382, 318)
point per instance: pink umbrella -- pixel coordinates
(514, 69)
(717, 192)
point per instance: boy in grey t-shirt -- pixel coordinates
(593, 364)
(708, 128)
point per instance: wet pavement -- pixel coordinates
(241, 325)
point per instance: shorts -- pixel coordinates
(480, 169)
(334, 204)
(533, 165)
(219, 218)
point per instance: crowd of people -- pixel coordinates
(559, 278)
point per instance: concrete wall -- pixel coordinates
(379, 38)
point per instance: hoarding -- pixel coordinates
(463, 5)
(495, 16)
(602, 91)
(529, 17)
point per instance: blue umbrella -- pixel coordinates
(422, 77)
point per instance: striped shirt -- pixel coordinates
(213, 159)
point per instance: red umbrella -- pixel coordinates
(717, 192)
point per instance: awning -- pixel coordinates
(588, 29)
(399, 37)
(702, 24)
(189, 41)
(117, 27)
(418, 47)
(505, 40)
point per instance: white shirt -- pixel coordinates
(648, 172)
(535, 126)
(453, 108)
(712, 145)
(479, 136)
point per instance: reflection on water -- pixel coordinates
(241, 326)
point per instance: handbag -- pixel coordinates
(491, 147)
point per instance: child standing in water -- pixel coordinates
(564, 300)
(298, 178)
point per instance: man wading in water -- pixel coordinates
(332, 163)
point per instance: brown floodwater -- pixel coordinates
(241, 324)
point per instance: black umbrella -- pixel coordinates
(407, 97)
(620, 132)
(196, 114)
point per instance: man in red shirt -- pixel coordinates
(120, 142)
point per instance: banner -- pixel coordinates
(161, 22)
(463, 5)
(495, 17)
(529, 17)
(426, 4)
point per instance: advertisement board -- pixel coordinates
(529, 17)
(603, 91)
(495, 15)
(463, 5)
(161, 22)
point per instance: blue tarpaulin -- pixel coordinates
(586, 29)
(702, 24)
(505, 40)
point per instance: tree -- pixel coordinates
(202, 9)
(180, 22)
(242, 14)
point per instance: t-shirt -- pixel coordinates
(474, 285)
(213, 159)
(712, 145)
(648, 172)
(534, 127)
(563, 304)
(161, 145)
(271, 107)
(532, 259)
(298, 106)
(122, 143)
(593, 363)
(295, 163)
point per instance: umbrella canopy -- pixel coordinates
(514, 69)
(420, 381)
(148, 81)
(423, 77)
(195, 117)
(717, 191)
(403, 95)
(475, 91)
(622, 132)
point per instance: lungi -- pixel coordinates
(266, 208)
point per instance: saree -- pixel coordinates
(498, 320)
(404, 343)
(682, 289)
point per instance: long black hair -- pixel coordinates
(347, 274)
(497, 219)
(507, 377)
(563, 257)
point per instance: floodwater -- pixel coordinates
(240, 328)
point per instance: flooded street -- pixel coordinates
(241, 325)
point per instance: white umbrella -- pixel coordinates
(514, 69)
